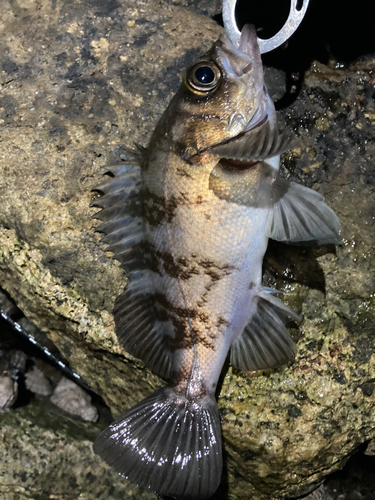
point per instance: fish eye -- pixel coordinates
(203, 77)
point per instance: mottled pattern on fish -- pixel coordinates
(189, 218)
(207, 255)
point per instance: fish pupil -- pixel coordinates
(204, 75)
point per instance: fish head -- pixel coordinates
(222, 95)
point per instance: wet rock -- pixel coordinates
(80, 82)
(71, 398)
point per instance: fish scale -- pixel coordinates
(191, 226)
(216, 248)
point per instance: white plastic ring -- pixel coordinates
(294, 20)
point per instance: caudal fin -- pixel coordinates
(168, 444)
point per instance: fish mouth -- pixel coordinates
(238, 62)
(243, 62)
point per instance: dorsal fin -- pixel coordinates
(138, 328)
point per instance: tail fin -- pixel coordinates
(168, 444)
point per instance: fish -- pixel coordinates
(189, 218)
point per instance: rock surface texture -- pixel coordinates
(79, 82)
(46, 454)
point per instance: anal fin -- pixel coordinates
(265, 341)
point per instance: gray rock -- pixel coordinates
(80, 81)
(320, 493)
(8, 392)
(71, 398)
(370, 450)
(37, 382)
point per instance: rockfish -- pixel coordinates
(189, 218)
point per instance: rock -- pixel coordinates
(12, 361)
(39, 336)
(6, 304)
(370, 450)
(8, 392)
(80, 82)
(320, 493)
(18, 360)
(37, 382)
(71, 398)
(46, 454)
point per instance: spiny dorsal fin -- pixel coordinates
(122, 214)
(138, 328)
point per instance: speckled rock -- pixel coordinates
(46, 454)
(80, 81)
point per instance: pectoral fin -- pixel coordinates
(265, 341)
(300, 214)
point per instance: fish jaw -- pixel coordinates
(243, 67)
